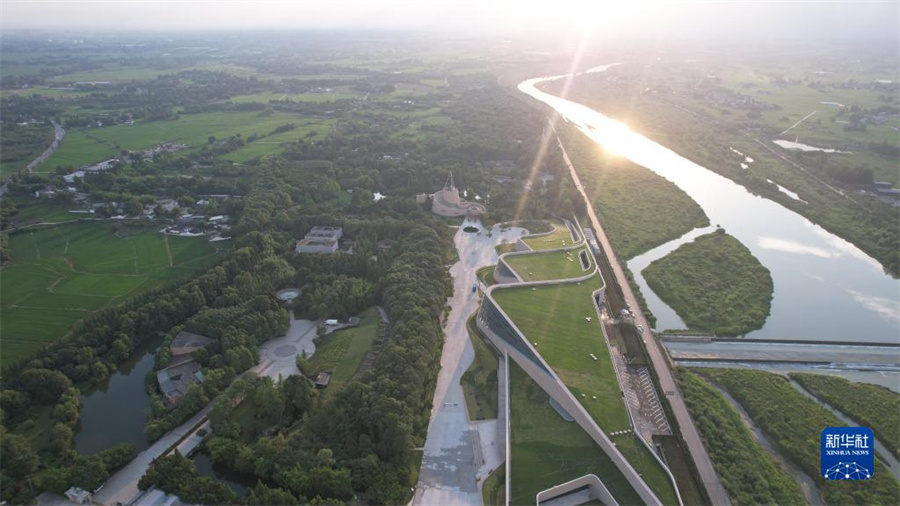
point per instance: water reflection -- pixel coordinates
(822, 282)
(115, 412)
(239, 484)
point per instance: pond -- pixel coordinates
(803, 147)
(115, 411)
(240, 484)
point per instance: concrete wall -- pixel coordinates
(554, 387)
(543, 375)
(595, 490)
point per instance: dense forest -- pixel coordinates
(299, 446)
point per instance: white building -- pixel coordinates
(79, 496)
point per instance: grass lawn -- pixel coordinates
(547, 450)
(558, 238)
(493, 491)
(505, 247)
(715, 284)
(548, 266)
(479, 382)
(554, 317)
(59, 275)
(486, 275)
(272, 144)
(342, 352)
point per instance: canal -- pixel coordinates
(826, 289)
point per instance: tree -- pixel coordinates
(170, 473)
(17, 457)
(263, 495)
(44, 385)
(88, 472)
(206, 490)
(61, 439)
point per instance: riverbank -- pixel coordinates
(756, 477)
(682, 123)
(825, 288)
(793, 422)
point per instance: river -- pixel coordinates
(826, 289)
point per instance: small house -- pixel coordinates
(322, 379)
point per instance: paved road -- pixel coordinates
(689, 434)
(122, 488)
(276, 358)
(871, 357)
(458, 452)
(58, 133)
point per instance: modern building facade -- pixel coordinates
(320, 240)
(493, 322)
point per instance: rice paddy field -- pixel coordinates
(86, 146)
(547, 266)
(295, 97)
(121, 74)
(59, 275)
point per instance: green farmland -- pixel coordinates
(547, 450)
(547, 266)
(559, 238)
(94, 144)
(272, 144)
(293, 97)
(59, 275)
(113, 75)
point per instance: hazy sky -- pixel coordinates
(838, 20)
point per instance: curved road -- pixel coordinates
(689, 434)
(58, 133)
